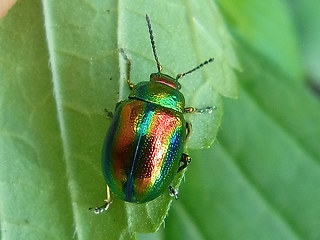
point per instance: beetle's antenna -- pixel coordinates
(180, 75)
(153, 45)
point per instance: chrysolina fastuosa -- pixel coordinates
(143, 148)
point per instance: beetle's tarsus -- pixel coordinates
(173, 192)
(101, 209)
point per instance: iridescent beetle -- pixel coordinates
(143, 148)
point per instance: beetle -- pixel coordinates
(143, 148)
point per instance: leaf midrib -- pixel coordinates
(59, 109)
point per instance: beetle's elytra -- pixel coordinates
(143, 148)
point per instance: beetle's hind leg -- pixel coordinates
(173, 192)
(184, 162)
(130, 84)
(105, 206)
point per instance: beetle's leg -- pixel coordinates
(185, 160)
(109, 114)
(130, 84)
(173, 192)
(104, 207)
(199, 110)
(189, 130)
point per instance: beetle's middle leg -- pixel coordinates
(196, 110)
(189, 130)
(130, 84)
(184, 161)
(199, 110)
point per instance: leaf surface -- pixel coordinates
(59, 69)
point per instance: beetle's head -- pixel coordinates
(165, 79)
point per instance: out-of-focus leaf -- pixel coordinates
(307, 20)
(266, 26)
(261, 180)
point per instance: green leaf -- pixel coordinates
(266, 26)
(260, 181)
(307, 20)
(59, 69)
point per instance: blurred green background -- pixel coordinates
(59, 69)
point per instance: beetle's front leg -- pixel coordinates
(130, 84)
(109, 113)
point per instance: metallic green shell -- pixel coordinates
(158, 93)
(142, 150)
